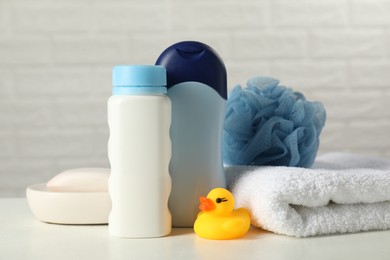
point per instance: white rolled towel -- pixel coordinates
(342, 193)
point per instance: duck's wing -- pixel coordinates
(240, 218)
(233, 224)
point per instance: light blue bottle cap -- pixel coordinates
(139, 79)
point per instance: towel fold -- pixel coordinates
(342, 193)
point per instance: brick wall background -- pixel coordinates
(56, 59)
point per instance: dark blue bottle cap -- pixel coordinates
(194, 61)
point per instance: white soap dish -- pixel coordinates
(68, 207)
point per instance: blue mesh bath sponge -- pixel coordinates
(270, 124)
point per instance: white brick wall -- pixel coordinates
(56, 59)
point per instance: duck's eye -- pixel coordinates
(219, 200)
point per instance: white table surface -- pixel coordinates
(24, 237)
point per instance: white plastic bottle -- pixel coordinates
(139, 150)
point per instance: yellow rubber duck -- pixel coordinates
(218, 220)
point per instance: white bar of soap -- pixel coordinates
(80, 180)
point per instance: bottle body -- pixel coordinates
(139, 151)
(196, 165)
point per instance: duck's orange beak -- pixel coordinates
(206, 204)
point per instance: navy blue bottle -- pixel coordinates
(197, 87)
